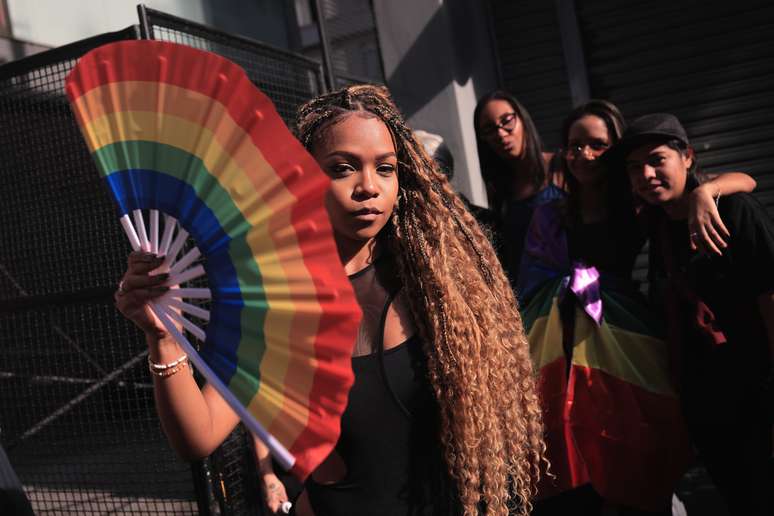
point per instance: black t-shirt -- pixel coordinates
(730, 284)
(607, 245)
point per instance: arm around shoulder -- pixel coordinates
(708, 230)
(728, 183)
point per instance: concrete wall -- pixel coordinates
(58, 22)
(438, 60)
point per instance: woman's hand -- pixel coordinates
(137, 288)
(708, 232)
(273, 489)
(273, 492)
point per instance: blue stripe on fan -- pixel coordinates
(148, 189)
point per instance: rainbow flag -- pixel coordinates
(612, 417)
(185, 132)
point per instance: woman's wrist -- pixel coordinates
(265, 466)
(703, 189)
(706, 192)
(155, 335)
(162, 348)
(710, 188)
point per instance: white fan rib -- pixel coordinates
(131, 234)
(139, 223)
(174, 249)
(186, 275)
(185, 261)
(154, 231)
(188, 325)
(170, 223)
(188, 308)
(188, 293)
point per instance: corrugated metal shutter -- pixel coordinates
(709, 63)
(529, 49)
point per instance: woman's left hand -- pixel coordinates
(273, 492)
(708, 232)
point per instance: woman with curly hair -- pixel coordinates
(443, 417)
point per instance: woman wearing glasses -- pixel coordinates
(614, 434)
(516, 171)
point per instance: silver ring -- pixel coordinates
(121, 290)
(694, 234)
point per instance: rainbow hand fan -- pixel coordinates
(183, 132)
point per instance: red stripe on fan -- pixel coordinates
(288, 158)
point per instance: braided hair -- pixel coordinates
(477, 355)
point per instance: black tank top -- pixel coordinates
(389, 430)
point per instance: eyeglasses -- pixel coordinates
(507, 123)
(596, 148)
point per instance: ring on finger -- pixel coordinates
(121, 290)
(694, 234)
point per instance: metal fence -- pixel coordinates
(76, 402)
(288, 79)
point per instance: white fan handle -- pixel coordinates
(279, 452)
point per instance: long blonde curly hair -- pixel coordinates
(477, 355)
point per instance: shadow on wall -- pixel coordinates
(423, 71)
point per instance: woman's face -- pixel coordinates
(587, 140)
(358, 154)
(501, 128)
(658, 173)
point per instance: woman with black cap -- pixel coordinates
(719, 307)
(614, 431)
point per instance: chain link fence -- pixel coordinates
(77, 415)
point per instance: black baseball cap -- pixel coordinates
(646, 129)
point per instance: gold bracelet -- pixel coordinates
(164, 373)
(153, 366)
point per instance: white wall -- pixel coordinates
(58, 22)
(438, 60)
